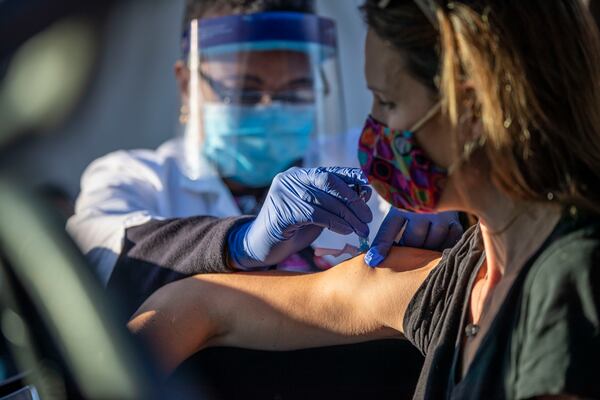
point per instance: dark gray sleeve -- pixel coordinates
(560, 324)
(160, 252)
(435, 309)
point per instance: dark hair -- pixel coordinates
(533, 67)
(198, 8)
(407, 29)
(594, 7)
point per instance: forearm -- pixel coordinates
(347, 304)
(283, 312)
(250, 311)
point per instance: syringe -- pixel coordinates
(363, 242)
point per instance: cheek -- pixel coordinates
(451, 200)
(462, 190)
(399, 119)
(437, 141)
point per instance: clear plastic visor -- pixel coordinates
(263, 95)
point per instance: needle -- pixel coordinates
(363, 242)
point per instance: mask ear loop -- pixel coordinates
(420, 123)
(432, 113)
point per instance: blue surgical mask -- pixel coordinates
(252, 144)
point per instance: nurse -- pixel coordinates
(260, 94)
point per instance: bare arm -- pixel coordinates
(272, 311)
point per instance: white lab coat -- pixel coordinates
(129, 188)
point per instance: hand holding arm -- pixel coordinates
(424, 231)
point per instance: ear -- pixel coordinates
(470, 123)
(470, 129)
(182, 76)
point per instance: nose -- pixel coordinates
(266, 99)
(377, 111)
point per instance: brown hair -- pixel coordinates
(534, 68)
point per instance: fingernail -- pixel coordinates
(373, 258)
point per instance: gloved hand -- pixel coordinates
(299, 205)
(425, 231)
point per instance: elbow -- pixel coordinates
(173, 324)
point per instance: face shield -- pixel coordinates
(264, 95)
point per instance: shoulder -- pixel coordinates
(440, 298)
(558, 334)
(460, 260)
(562, 287)
(126, 165)
(456, 264)
(125, 181)
(569, 262)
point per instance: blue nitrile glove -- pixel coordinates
(425, 231)
(299, 205)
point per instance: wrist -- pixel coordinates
(239, 251)
(236, 253)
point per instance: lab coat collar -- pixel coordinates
(212, 189)
(207, 179)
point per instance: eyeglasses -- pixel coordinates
(229, 95)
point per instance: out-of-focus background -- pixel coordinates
(133, 101)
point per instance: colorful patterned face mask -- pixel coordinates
(398, 168)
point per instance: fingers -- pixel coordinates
(364, 192)
(354, 177)
(334, 185)
(321, 198)
(347, 212)
(445, 231)
(385, 238)
(325, 219)
(431, 231)
(347, 174)
(328, 189)
(436, 236)
(428, 231)
(454, 234)
(416, 232)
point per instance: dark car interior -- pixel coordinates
(38, 361)
(62, 338)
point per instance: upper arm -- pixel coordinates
(386, 291)
(119, 183)
(117, 191)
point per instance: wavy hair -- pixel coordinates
(534, 69)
